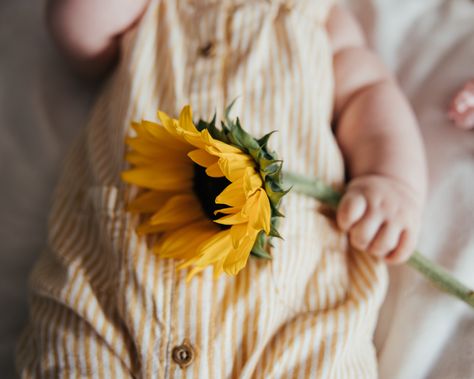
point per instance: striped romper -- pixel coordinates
(103, 306)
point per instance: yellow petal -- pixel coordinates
(176, 243)
(258, 211)
(137, 126)
(264, 211)
(138, 159)
(237, 259)
(233, 195)
(144, 129)
(147, 228)
(227, 211)
(212, 250)
(238, 232)
(216, 146)
(153, 149)
(214, 171)
(171, 126)
(218, 269)
(160, 156)
(233, 219)
(181, 209)
(202, 158)
(186, 120)
(157, 134)
(234, 165)
(150, 201)
(252, 181)
(193, 272)
(201, 139)
(161, 177)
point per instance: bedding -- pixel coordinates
(422, 333)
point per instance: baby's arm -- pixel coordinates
(378, 135)
(88, 31)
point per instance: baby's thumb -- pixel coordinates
(351, 209)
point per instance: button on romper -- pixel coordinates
(104, 306)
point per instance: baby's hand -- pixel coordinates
(382, 216)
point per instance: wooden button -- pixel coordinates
(183, 355)
(208, 50)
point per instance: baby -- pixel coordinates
(375, 126)
(116, 309)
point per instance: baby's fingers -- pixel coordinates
(386, 240)
(351, 209)
(404, 250)
(364, 231)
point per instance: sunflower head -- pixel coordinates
(211, 195)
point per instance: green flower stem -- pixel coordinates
(313, 187)
(441, 278)
(437, 275)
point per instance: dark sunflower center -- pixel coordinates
(207, 189)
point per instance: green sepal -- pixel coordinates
(264, 140)
(225, 131)
(241, 137)
(215, 132)
(258, 252)
(275, 211)
(256, 154)
(227, 111)
(201, 125)
(258, 249)
(273, 169)
(274, 232)
(264, 163)
(274, 191)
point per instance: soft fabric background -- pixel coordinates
(428, 43)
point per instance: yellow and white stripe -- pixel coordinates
(104, 306)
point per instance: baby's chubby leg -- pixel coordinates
(88, 31)
(379, 137)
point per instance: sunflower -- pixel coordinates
(209, 195)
